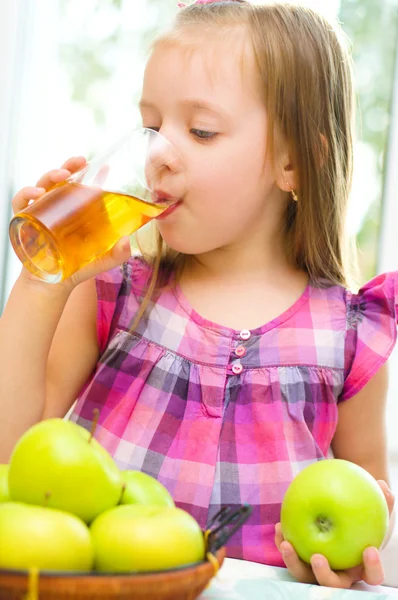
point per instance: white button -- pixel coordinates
(237, 369)
(245, 334)
(240, 351)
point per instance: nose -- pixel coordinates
(163, 154)
(163, 161)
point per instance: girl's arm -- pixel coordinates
(360, 435)
(48, 348)
(48, 341)
(360, 438)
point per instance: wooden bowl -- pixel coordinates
(184, 583)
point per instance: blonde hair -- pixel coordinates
(305, 73)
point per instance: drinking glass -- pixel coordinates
(80, 219)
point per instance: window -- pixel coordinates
(72, 80)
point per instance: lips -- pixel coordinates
(162, 197)
(169, 210)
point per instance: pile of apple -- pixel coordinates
(65, 506)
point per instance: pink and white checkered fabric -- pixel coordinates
(172, 405)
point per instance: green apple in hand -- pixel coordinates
(4, 495)
(140, 488)
(59, 464)
(33, 536)
(134, 537)
(334, 508)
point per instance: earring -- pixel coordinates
(293, 193)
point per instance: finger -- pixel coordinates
(389, 496)
(119, 254)
(74, 164)
(101, 176)
(52, 177)
(24, 196)
(325, 576)
(300, 570)
(373, 572)
(121, 251)
(278, 536)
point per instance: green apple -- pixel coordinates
(59, 464)
(134, 537)
(4, 495)
(334, 508)
(140, 488)
(33, 536)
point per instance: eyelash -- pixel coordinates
(207, 135)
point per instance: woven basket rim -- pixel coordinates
(50, 574)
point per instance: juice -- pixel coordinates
(73, 225)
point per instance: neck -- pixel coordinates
(243, 285)
(257, 255)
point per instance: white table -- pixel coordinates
(244, 580)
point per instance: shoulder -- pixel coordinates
(132, 275)
(375, 300)
(371, 330)
(354, 331)
(119, 294)
(379, 296)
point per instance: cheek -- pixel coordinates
(217, 177)
(228, 183)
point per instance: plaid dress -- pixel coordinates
(222, 417)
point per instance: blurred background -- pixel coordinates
(70, 77)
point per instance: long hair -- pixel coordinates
(305, 74)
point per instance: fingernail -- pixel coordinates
(383, 484)
(372, 555)
(36, 193)
(63, 173)
(126, 245)
(317, 562)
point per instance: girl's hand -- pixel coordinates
(371, 571)
(46, 182)
(117, 255)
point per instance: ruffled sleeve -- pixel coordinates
(117, 290)
(372, 317)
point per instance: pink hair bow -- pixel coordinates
(182, 5)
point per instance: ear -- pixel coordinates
(286, 177)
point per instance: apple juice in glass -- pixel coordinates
(79, 220)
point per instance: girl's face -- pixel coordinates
(206, 104)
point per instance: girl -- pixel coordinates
(235, 355)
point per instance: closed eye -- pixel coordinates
(200, 134)
(203, 135)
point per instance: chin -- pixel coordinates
(185, 244)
